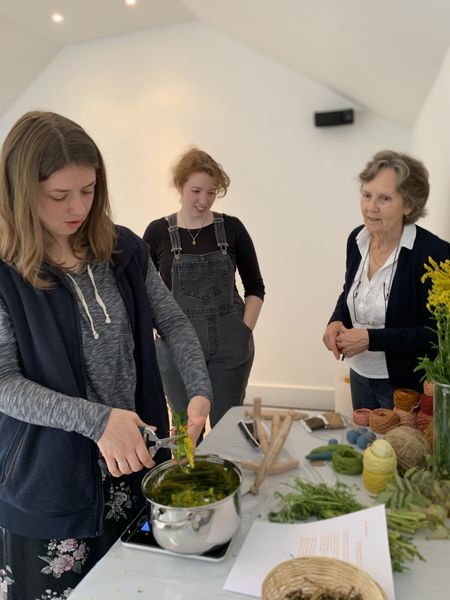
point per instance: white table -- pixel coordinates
(128, 573)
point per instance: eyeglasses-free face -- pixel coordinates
(382, 207)
(65, 199)
(197, 197)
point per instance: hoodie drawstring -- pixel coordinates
(97, 295)
(84, 303)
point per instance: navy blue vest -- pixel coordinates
(50, 482)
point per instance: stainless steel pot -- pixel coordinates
(194, 530)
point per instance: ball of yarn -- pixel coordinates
(410, 446)
(423, 420)
(426, 404)
(380, 450)
(352, 436)
(382, 420)
(325, 452)
(429, 434)
(361, 416)
(362, 442)
(407, 400)
(370, 435)
(347, 461)
(406, 417)
(379, 466)
(362, 437)
(332, 441)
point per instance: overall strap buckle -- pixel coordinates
(219, 231)
(174, 235)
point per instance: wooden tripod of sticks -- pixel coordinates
(280, 427)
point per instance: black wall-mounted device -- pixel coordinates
(335, 117)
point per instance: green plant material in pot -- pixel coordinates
(205, 483)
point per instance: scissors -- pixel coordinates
(154, 443)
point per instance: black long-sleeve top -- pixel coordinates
(240, 248)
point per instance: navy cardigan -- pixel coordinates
(408, 333)
(50, 480)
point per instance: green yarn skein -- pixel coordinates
(326, 452)
(348, 461)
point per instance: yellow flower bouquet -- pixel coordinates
(437, 370)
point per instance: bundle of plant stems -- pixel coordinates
(325, 502)
(418, 493)
(185, 449)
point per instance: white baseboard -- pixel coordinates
(291, 396)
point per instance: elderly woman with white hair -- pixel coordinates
(380, 324)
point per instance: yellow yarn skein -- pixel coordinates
(380, 466)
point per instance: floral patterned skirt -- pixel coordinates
(37, 569)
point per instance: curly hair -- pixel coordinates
(198, 161)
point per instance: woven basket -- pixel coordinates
(313, 573)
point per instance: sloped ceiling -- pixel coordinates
(383, 56)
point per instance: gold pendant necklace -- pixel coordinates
(193, 237)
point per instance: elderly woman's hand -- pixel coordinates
(329, 337)
(352, 341)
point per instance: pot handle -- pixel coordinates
(195, 520)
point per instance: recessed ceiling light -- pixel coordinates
(131, 2)
(57, 18)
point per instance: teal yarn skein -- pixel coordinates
(352, 436)
(362, 442)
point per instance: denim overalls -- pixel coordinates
(204, 287)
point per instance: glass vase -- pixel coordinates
(441, 430)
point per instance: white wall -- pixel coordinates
(146, 97)
(431, 143)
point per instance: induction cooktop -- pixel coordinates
(139, 535)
